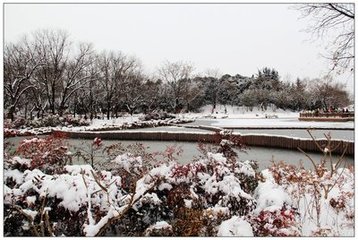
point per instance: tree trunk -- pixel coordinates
(53, 100)
(26, 111)
(108, 110)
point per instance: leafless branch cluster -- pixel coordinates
(336, 20)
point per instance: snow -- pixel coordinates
(31, 213)
(214, 212)
(188, 203)
(246, 169)
(164, 186)
(235, 226)
(14, 174)
(21, 161)
(128, 162)
(160, 225)
(279, 123)
(30, 200)
(70, 188)
(240, 112)
(91, 230)
(151, 198)
(78, 169)
(269, 195)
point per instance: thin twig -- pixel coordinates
(314, 164)
(29, 219)
(341, 158)
(98, 182)
(315, 141)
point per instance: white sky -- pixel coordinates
(235, 38)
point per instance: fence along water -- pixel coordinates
(308, 145)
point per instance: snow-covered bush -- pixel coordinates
(324, 198)
(191, 199)
(235, 226)
(215, 195)
(49, 154)
(47, 121)
(157, 116)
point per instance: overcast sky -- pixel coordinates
(234, 38)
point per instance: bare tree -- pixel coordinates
(336, 19)
(20, 64)
(133, 94)
(194, 90)
(53, 47)
(174, 74)
(90, 97)
(114, 70)
(76, 74)
(327, 93)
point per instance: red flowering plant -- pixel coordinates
(278, 223)
(49, 154)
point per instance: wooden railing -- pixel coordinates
(328, 115)
(250, 140)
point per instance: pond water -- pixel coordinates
(262, 155)
(317, 133)
(301, 133)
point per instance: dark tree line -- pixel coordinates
(46, 73)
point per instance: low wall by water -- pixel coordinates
(248, 139)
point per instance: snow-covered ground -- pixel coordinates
(232, 118)
(241, 117)
(240, 112)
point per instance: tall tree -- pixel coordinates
(173, 73)
(20, 64)
(115, 68)
(54, 48)
(325, 94)
(76, 74)
(134, 89)
(268, 78)
(337, 20)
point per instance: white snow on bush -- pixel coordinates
(21, 161)
(161, 225)
(269, 195)
(31, 213)
(235, 227)
(15, 175)
(30, 200)
(70, 188)
(128, 162)
(79, 169)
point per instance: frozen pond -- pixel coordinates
(263, 156)
(317, 133)
(338, 131)
(301, 133)
(273, 123)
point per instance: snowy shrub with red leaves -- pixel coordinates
(47, 198)
(215, 195)
(49, 154)
(324, 198)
